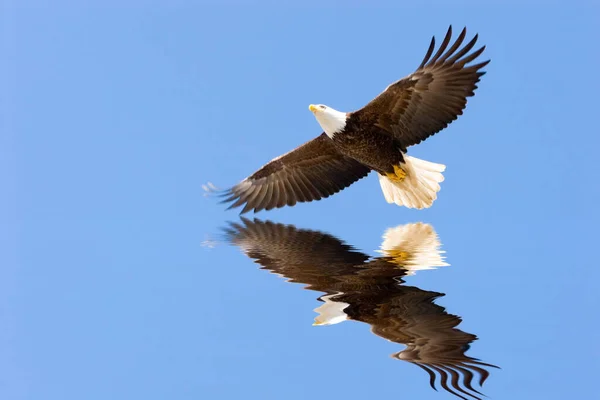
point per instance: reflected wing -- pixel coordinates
(432, 340)
(303, 256)
(313, 171)
(426, 101)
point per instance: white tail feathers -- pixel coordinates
(414, 247)
(420, 186)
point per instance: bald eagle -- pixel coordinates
(374, 138)
(372, 290)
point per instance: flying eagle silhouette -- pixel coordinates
(374, 138)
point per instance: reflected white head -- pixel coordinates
(332, 121)
(331, 312)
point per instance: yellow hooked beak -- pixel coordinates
(313, 108)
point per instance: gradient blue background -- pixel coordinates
(115, 114)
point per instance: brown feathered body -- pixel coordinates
(369, 145)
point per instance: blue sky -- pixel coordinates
(113, 116)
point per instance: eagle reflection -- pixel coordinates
(371, 290)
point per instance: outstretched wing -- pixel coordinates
(301, 255)
(428, 100)
(438, 346)
(433, 341)
(312, 171)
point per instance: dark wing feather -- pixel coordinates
(428, 100)
(433, 341)
(300, 255)
(313, 171)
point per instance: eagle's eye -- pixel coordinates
(322, 107)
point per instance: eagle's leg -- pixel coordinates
(398, 256)
(398, 175)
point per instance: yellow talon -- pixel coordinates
(398, 175)
(399, 257)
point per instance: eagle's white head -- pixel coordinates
(332, 121)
